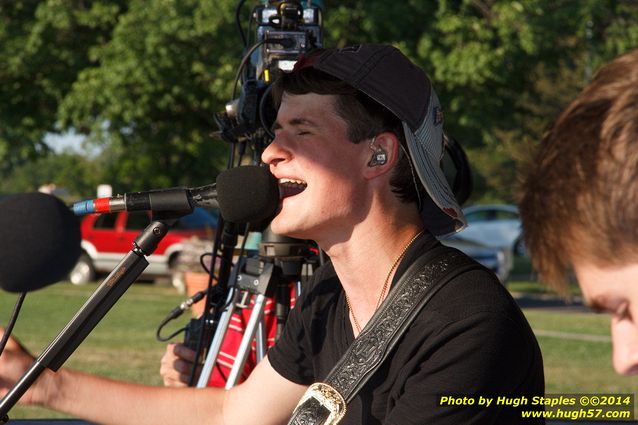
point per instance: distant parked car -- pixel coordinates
(497, 260)
(497, 225)
(107, 238)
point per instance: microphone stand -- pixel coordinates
(94, 309)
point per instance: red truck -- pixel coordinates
(107, 238)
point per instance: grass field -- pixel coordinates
(123, 345)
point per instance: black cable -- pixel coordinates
(12, 321)
(167, 338)
(233, 285)
(238, 21)
(243, 63)
(286, 42)
(262, 112)
(242, 151)
(202, 262)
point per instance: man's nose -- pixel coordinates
(275, 152)
(624, 334)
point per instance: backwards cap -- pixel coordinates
(383, 73)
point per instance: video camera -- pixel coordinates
(297, 29)
(285, 30)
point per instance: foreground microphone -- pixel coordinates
(40, 241)
(247, 194)
(242, 194)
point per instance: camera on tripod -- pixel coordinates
(297, 28)
(285, 30)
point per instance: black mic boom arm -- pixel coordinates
(90, 314)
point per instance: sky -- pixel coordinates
(68, 141)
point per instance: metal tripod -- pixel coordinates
(281, 261)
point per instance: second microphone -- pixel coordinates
(242, 194)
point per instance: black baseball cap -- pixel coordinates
(387, 76)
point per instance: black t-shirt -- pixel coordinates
(470, 339)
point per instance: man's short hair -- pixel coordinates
(580, 197)
(364, 118)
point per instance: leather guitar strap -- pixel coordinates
(324, 403)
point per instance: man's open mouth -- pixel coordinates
(291, 187)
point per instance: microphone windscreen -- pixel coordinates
(247, 194)
(40, 241)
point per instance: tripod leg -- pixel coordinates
(216, 343)
(246, 342)
(261, 340)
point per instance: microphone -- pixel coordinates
(40, 241)
(247, 194)
(243, 195)
(173, 199)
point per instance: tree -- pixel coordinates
(70, 171)
(503, 69)
(162, 77)
(43, 45)
(143, 79)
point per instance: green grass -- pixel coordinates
(576, 366)
(516, 285)
(527, 287)
(523, 279)
(123, 345)
(586, 323)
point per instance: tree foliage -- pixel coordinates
(71, 172)
(162, 77)
(43, 45)
(143, 79)
(503, 69)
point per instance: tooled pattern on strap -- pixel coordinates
(379, 336)
(371, 346)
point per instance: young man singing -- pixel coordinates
(357, 152)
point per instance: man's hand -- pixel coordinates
(177, 364)
(14, 362)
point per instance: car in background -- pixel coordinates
(497, 260)
(107, 238)
(495, 225)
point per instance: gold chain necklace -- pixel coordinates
(385, 284)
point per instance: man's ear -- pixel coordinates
(384, 154)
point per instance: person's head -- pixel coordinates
(580, 202)
(382, 97)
